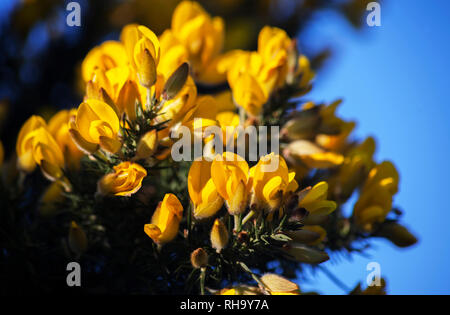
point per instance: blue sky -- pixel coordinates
(393, 80)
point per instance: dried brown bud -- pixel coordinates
(199, 258)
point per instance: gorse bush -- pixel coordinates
(140, 220)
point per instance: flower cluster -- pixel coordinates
(230, 214)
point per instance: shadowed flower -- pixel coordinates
(58, 126)
(229, 173)
(202, 190)
(165, 221)
(95, 126)
(375, 200)
(125, 181)
(219, 235)
(36, 146)
(77, 239)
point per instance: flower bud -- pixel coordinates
(176, 81)
(146, 68)
(305, 254)
(219, 235)
(77, 238)
(199, 258)
(147, 145)
(303, 124)
(125, 181)
(397, 234)
(312, 155)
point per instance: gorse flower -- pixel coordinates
(375, 200)
(202, 38)
(229, 173)
(58, 126)
(272, 181)
(202, 190)
(95, 126)
(125, 181)
(165, 221)
(36, 146)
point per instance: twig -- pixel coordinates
(334, 279)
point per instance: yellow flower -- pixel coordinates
(314, 200)
(173, 53)
(147, 145)
(228, 122)
(357, 163)
(108, 55)
(229, 173)
(36, 146)
(114, 88)
(278, 285)
(77, 239)
(375, 200)
(219, 235)
(125, 181)
(202, 190)
(334, 142)
(143, 50)
(271, 180)
(209, 106)
(249, 94)
(166, 220)
(274, 45)
(179, 106)
(311, 155)
(253, 76)
(58, 126)
(95, 125)
(52, 196)
(240, 290)
(202, 37)
(304, 71)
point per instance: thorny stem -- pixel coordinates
(254, 276)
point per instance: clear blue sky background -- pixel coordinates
(394, 81)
